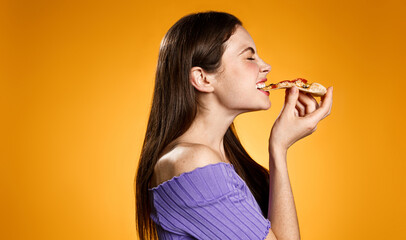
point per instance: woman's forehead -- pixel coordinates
(239, 41)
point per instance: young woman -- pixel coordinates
(194, 179)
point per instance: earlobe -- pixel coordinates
(199, 79)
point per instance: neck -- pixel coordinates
(208, 128)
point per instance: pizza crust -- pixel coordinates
(316, 89)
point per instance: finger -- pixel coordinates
(291, 95)
(313, 99)
(330, 105)
(296, 113)
(300, 108)
(325, 107)
(309, 103)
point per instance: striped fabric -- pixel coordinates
(210, 202)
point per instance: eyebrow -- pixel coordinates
(247, 49)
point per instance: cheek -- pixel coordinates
(239, 77)
(247, 71)
(253, 67)
(244, 71)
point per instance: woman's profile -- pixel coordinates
(194, 178)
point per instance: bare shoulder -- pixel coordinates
(271, 235)
(185, 157)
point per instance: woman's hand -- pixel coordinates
(299, 117)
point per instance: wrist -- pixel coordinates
(276, 149)
(277, 157)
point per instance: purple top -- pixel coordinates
(210, 202)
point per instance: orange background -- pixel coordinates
(76, 87)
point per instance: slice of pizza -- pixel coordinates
(315, 89)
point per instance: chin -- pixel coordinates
(259, 106)
(262, 107)
(266, 105)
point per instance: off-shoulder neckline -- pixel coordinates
(189, 172)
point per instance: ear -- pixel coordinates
(200, 80)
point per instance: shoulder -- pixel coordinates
(184, 157)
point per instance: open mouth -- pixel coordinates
(261, 85)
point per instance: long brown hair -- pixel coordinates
(195, 40)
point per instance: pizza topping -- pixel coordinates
(315, 89)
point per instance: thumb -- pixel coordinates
(292, 94)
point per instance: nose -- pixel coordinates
(265, 67)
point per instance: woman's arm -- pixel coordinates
(282, 210)
(298, 119)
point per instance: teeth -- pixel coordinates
(260, 85)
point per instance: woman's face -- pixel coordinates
(240, 72)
